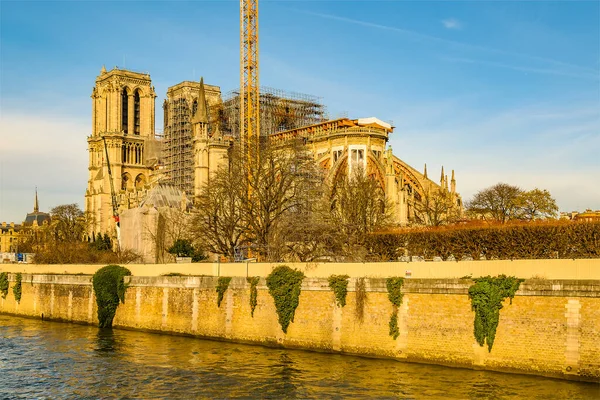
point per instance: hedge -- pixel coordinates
(526, 241)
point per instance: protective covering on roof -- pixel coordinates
(165, 196)
(373, 120)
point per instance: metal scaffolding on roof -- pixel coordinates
(279, 111)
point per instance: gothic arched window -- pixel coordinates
(140, 181)
(136, 112)
(124, 111)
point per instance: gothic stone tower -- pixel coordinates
(186, 102)
(123, 119)
(209, 146)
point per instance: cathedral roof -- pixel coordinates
(39, 217)
(36, 216)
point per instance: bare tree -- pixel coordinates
(277, 186)
(309, 230)
(220, 220)
(358, 207)
(436, 208)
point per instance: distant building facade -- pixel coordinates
(12, 235)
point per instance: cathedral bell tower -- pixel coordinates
(210, 148)
(122, 126)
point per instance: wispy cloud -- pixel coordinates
(451, 23)
(417, 36)
(573, 74)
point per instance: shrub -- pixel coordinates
(82, 253)
(360, 299)
(109, 287)
(339, 285)
(394, 287)
(17, 288)
(4, 284)
(253, 281)
(222, 285)
(487, 295)
(184, 248)
(284, 285)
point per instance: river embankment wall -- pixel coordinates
(552, 327)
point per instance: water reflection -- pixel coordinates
(105, 341)
(52, 360)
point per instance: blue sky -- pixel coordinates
(499, 91)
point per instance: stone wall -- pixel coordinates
(547, 269)
(552, 327)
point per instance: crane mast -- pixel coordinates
(249, 85)
(113, 196)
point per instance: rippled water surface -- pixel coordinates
(54, 360)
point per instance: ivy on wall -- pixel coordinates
(487, 295)
(109, 288)
(394, 288)
(17, 288)
(4, 284)
(253, 281)
(339, 285)
(360, 300)
(222, 285)
(285, 285)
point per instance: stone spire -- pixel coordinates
(425, 171)
(201, 116)
(36, 204)
(442, 178)
(103, 70)
(446, 182)
(453, 183)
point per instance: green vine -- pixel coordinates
(222, 286)
(17, 287)
(253, 281)
(285, 285)
(394, 329)
(361, 299)
(4, 284)
(109, 287)
(394, 288)
(487, 295)
(339, 285)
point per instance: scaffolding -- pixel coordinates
(178, 155)
(279, 111)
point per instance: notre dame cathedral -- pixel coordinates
(200, 125)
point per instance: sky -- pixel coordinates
(499, 91)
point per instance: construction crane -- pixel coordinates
(113, 196)
(249, 86)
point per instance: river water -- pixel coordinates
(50, 360)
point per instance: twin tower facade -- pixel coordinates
(127, 160)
